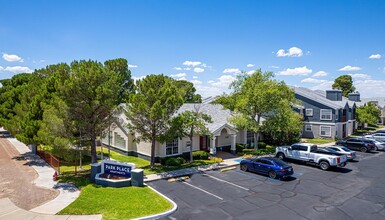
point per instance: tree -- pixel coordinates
(368, 113)
(284, 126)
(91, 94)
(151, 107)
(120, 66)
(254, 96)
(190, 123)
(188, 91)
(344, 83)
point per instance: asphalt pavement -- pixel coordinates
(356, 191)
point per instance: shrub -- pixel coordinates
(217, 159)
(172, 161)
(259, 152)
(261, 145)
(240, 147)
(200, 155)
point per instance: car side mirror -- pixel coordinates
(289, 148)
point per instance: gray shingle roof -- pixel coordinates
(219, 115)
(318, 96)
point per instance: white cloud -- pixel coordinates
(211, 82)
(206, 91)
(224, 81)
(196, 82)
(274, 67)
(187, 68)
(250, 65)
(232, 70)
(198, 70)
(191, 63)
(17, 69)
(323, 86)
(375, 56)
(350, 68)
(312, 80)
(1, 68)
(180, 76)
(370, 88)
(292, 52)
(12, 57)
(177, 68)
(384, 69)
(132, 66)
(195, 77)
(250, 72)
(298, 71)
(360, 76)
(320, 74)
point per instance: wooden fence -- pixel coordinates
(50, 159)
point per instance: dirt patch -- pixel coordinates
(16, 178)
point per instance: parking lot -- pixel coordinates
(356, 191)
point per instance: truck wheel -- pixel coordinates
(281, 156)
(244, 167)
(363, 149)
(272, 174)
(324, 165)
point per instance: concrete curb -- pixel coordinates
(160, 215)
(167, 175)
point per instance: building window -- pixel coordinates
(172, 147)
(307, 127)
(326, 131)
(309, 112)
(326, 114)
(250, 138)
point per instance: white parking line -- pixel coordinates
(221, 180)
(202, 190)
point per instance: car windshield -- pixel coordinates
(280, 163)
(345, 149)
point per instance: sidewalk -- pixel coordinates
(188, 171)
(67, 192)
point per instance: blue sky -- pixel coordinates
(305, 43)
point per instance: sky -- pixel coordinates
(305, 43)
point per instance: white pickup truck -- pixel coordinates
(310, 153)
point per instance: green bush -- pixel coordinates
(259, 152)
(172, 161)
(240, 147)
(261, 145)
(200, 155)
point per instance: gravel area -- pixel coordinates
(16, 178)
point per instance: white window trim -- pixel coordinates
(320, 131)
(310, 112)
(169, 155)
(307, 126)
(331, 115)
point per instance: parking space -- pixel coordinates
(356, 191)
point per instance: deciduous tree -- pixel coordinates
(151, 107)
(254, 96)
(344, 83)
(368, 113)
(190, 123)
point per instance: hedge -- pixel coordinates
(200, 155)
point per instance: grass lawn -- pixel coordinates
(117, 203)
(317, 140)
